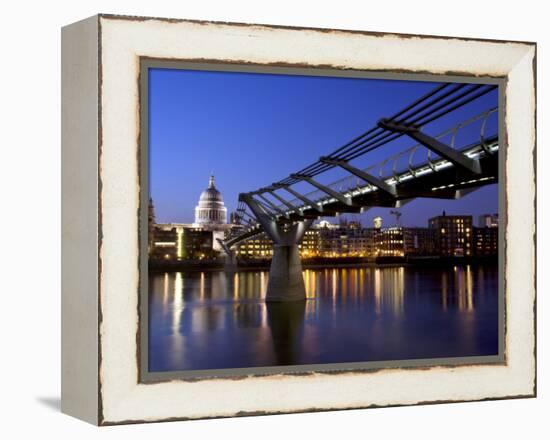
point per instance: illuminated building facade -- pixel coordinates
(261, 247)
(404, 241)
(175, 241)
(258, 247)
(311, 244)
(347, 240)
(165, 244)
(325, 240)
(486, 236)
(453, 235)
(389, 242)
(445, 236)
(486, 241)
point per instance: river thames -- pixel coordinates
(214, 320)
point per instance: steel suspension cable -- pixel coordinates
(379, 136)
(376, 131)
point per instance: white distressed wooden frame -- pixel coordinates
(100, 182)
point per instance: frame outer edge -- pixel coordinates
(114, 420)
(80, 221)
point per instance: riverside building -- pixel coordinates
(198, 240)
(445, 236)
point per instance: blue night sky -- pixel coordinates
(253, 129)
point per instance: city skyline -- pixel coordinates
(244, 110)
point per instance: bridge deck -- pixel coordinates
(438, 178)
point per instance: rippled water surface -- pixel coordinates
(210, 320)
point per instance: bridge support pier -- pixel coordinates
(286, 282)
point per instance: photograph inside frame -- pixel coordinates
(297, 221)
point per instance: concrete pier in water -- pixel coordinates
(286, 282)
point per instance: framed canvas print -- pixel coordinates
(263, 220)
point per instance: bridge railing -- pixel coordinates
(471, 131)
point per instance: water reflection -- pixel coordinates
(203, 320)
(286, 321)
(389, 286)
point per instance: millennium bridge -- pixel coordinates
(433, 167)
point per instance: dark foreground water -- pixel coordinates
(212, 320)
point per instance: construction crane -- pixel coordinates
(397, 215)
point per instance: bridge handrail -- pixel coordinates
(319, 196)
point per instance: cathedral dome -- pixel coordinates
(211, 194)
(211, 209)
